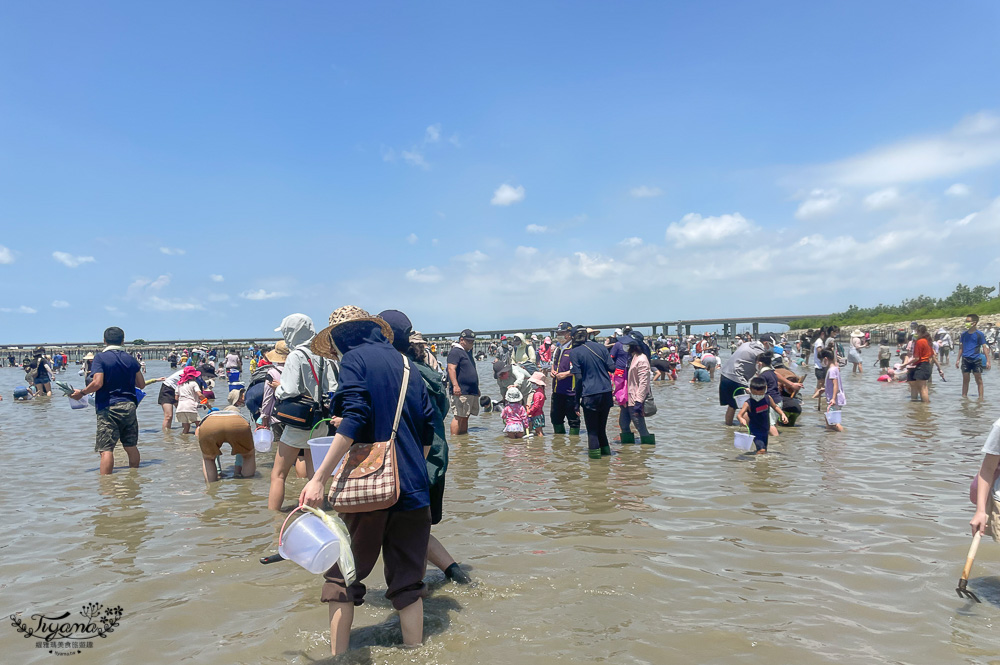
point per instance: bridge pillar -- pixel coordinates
(755, 328)
(687, 329)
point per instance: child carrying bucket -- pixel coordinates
(834, 391)
(755, 413)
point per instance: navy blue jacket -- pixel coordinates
(371, 374)
(591, 364)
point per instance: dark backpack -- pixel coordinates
(254, 396)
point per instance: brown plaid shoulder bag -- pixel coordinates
(369, 477)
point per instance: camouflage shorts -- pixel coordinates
(117, 423)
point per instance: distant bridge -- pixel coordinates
(682, 327)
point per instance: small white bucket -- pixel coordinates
(310, 543)
(832, 417)
(743, 441)
(742, 398)
(79, 403)
(319, 447)
(263, 437)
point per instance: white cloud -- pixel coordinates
(694, 229)
(506, 195)
(472, 258)
(412, 238)
(415, 158)
(525, 252)
(6, 256)
(883, 198)
(59, 304)
(218, 297)
(71, 261)
(435, 242)
(428, 275)
(958, 189)
(23, 309)
(644, 192)
(973, 143)
(388, 154)
(158, 304)
(171, 251)
(535, 228)
(160, 282)
(819, 202)
(217, 278)
(261, 294)
(631, 242)
(433, 134)
(455, 141)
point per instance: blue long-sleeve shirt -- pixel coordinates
(371, 375)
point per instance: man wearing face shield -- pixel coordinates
(738, 370)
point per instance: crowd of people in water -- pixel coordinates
(365, 379)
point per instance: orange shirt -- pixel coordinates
(922, 351)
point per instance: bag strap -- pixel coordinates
(319, 386)
(402, 396)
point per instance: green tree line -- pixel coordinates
(963, 300)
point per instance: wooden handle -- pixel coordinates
(972, 555)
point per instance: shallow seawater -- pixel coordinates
(832, 548)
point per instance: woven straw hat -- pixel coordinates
(323, 345)
(279, 353)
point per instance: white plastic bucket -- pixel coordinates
(79, 403)
(743, 441)
(741, 399)
(263, 437)
(319, 447)
(311, 544)
(833, 417)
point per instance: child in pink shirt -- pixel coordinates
(514, 415)
(536, 410)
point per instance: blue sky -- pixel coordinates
(202, 169)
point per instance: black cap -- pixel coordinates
(499, 367)
(565, 326)
(467, 334)
(767, 337)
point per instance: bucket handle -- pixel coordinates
(314, 511)
(325, 420)
(739, 389)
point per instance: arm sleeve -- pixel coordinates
(354, 398)
(644, 380)
(291, 378)
(97, 366)
(427, 431)
(608, 363)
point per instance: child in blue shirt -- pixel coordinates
(972, 342)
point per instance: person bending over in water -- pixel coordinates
(220, 427)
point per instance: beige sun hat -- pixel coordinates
(89, 356)
(417, 338)
(323, 345)
(279, 353)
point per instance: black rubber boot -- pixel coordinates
(455, 573)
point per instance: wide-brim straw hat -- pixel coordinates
(322, 344)
(698, 364)
(279, 353)
(538, 379)
(857, 333)
(89, 356)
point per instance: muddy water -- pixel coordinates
(834, 548)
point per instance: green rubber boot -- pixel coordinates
(595, 453)
(605, 450)
(558, 429)
(649, 439)
(628, 437)
(574, 431)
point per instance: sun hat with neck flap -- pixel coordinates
(349, 326)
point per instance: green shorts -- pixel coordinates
(117, 423)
